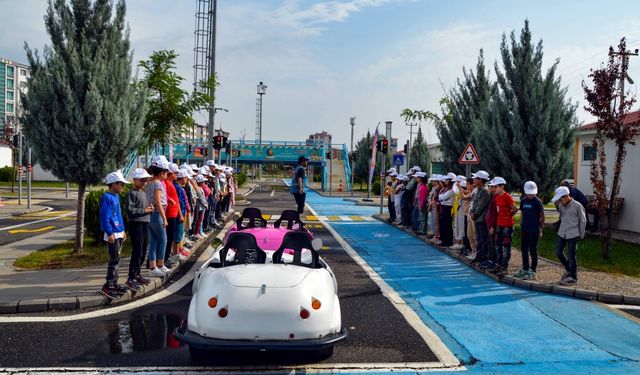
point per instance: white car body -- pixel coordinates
(264, 306)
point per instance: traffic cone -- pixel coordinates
(340, 186)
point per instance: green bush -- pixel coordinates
(92, 212)
(317, 177)
(375, 187)
(241, 178)
(7, 174)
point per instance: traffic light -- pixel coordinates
(406, 146)
(16, 141)
(217, 142)
(383, 146)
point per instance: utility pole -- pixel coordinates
(624, 68)
(352, 120)
(410, 125)
(213, 15)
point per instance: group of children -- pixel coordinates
(167, 208)
(475, 216)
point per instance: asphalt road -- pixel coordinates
(378, 333)
(16, 228)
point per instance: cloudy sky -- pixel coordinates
(325, 61)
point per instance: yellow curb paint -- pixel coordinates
(357, 218)
(334, 218)
(312, 218)
(31, 230)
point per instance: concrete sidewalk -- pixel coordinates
(68, 289)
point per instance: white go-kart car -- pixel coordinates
(283, 297)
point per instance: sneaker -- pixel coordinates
(157, 272)
(169, 263)
(110, 293)
(495, 269)
(568, 281)
(564, 275)
(436, 242)
(133, 286)
(164, 269)
(180, 257)
(531, 275)
(120, 289)
(186, 254)
(456, 246)
(142, 281)
(486, 264)
(471, 256)
(521, 273)
(502, 271)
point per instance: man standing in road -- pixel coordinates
(299, 182)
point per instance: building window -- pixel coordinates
(9, 95)
(10, 107)
(589, 152)
(9, 84)
(23, 72)
(9, 71)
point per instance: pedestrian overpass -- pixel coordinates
(252, 152)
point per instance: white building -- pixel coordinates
(13, 82)
(629, 217)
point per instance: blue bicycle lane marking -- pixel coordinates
(502, 327)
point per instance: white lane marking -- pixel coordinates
(441, 351)
(369, 218)
(346, 218)
(314, 368)
(173, 288)
(38, 221)
(273, 192)
(625, 307)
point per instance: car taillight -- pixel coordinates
(304, 313)
(213, 302)
(315, 303)
(223, 312)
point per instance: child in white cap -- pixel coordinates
(112, 224)
(530, 230)
(157, 195)
(139, 214)
(573, 223)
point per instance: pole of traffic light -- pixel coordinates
(20, 169)
(29, 179)
(382, 180)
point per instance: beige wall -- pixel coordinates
(629, 218)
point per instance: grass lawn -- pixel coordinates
(61, 256)
(625, 256)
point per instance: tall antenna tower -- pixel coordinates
(204, 56)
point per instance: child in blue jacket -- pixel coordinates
(112, 224)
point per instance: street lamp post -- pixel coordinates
(262, 89)
(410, 125)
(352, 120)
(215, 110)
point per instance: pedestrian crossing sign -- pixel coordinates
(469, 156)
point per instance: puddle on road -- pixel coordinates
(142, 333)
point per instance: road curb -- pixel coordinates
(57, 304)
(589, 295)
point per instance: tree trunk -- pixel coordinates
(79, 243)
(615, 187)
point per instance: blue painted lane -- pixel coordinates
(481, 320)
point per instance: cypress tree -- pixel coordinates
(527, 128)
(462, 112)
(420, 153)
(83, 110)
(363, 157)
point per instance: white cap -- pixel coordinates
(182, 173)
(403, 177)
(391, 170)
(116, 176)
(415, 168)
(560, 192)
(450, 176)
(203, 171)
(498, 181)
(463, 183)
(481, 175)
(420, 174)
(194, 167)
(161, 162)
(210, 163)
(187, 168)
(461, 178)
(393, 174)
(173, 167)
(140, 173)
(530, 187)
(199, 178)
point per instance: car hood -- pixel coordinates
(268, 275)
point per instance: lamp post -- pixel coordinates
(410, 125)
(261, 90)
(215, 110)
(352, 120)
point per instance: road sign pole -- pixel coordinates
(29, 179)
(20, 169)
